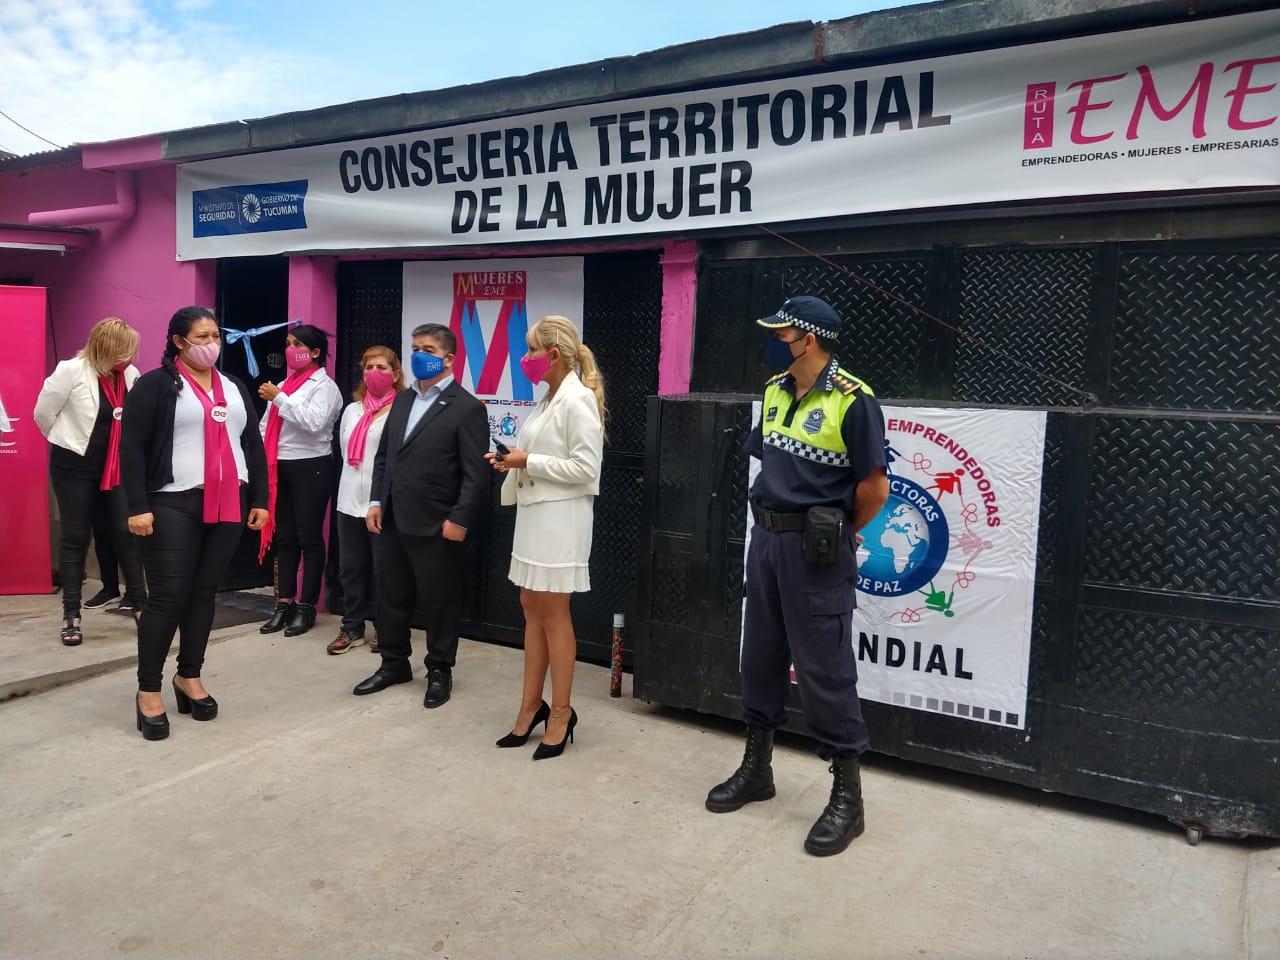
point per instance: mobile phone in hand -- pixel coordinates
(502, 448)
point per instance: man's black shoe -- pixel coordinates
(752, 781)
(382, 679)
(439, 687)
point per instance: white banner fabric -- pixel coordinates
(1187, 106)
(946, 570)
(490, 306)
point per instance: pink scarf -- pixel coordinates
(113, 387)
(272, 442)
(372, 404)
(221, 480)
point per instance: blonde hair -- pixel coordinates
(559, 332)
(110, 341)
(393, 360)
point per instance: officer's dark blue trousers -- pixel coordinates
(799, 612)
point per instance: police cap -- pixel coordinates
(806, 313)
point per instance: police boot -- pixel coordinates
(842, 821)
(751, 781)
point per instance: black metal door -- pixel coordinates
(1155, 657)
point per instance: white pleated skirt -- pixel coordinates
(551, 549)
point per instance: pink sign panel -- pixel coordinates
(24, 454)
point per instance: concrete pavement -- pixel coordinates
(305, 822)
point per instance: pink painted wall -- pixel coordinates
(313, 296)
(679, 294)
(128, 270)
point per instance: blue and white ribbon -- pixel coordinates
(230, 336)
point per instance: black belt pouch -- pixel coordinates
(823, 535)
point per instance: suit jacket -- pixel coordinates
(565, 443)
(68, 403)
(438, 472)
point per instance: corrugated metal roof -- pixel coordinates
(44, 158)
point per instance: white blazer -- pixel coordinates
(68, 403)
(565, 443)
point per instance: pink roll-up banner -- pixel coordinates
(24, 454)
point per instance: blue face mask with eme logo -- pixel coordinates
(426, 366)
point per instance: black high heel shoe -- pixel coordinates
(546, 750)
(206, 708)
(151, 728)
(514, 739)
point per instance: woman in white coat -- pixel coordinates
(553, 478)
(79, 411)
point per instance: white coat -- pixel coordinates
(68, 403)
(565, 443)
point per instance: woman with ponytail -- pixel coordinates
(194, 474)
(358, 437)
(297, 433)
(553, 478)
(79, 410)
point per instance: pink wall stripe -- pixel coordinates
(679, 292)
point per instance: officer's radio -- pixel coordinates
(824, 534)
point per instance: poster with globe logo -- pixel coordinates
(946, 570)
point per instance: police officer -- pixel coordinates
(820, 443)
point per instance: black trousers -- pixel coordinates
(426, 571)
(104, 547)
(801, 613)
(302, 497)
(358, 572)
(79, 500)
(185, 559)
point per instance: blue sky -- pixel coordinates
(84, 70)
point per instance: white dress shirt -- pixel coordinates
(356, 482)
(188, 436)
(309, 414)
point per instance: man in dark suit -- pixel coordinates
(429, 481)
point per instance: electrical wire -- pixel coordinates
(973, 338)
(29, 130)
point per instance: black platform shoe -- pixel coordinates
(206, 708)
(279, 617)
(151, 728)
(514, 739)
(71, 634)
(302, 620)
(842, 821)
(753, 780)
(546, 750)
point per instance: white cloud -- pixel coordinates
(105, 69)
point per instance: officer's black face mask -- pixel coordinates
(778, 355)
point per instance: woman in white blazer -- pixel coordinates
(553, 478)
(79, 411)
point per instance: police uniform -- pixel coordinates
(814, 450)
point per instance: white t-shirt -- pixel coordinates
(308, 415)
(356, 482)
(188, 436)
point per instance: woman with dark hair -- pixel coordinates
(297, 431)
(193, 468)
(79, 411)
(358, 438)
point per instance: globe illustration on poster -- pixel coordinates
(905, 544)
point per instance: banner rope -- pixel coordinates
(1089, 397)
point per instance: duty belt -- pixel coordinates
(778, 522)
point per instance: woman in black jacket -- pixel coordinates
(192, 464)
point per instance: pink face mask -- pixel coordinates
(378, 382)
(203, 356)
(297, 358)
(535, 368)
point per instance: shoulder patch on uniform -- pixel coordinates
(777, 378)
(847, 383)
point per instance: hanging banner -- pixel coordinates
(24, 454)
(946, 570)
(1180, 107)
(490, 306)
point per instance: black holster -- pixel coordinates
(824, 533)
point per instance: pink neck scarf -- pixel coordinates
(272, 442)
(372, 404)
(221, 480)
(113, 387)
